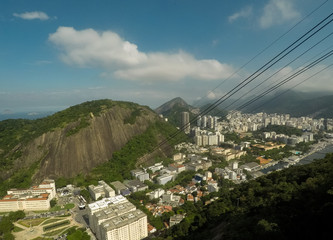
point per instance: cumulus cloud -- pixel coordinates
(211, 96)
(89, 48)
(278, 12)
(32, 15)
(244, 13)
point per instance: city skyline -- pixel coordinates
(55, 55)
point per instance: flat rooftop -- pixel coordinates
(113, 211)
(123, 220)
(105, 202)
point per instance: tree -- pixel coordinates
(14, 216)
(8, 236)
(6, 225)
(85, 194)
(53, 202)
(78, 235)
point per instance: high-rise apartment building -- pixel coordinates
(185, 117)
(116, 218)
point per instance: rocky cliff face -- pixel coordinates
(67, 156)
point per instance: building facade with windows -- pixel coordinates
(36, 198)
(116, 218)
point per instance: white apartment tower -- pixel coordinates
(116, 218)
(185, 117)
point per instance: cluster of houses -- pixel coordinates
(290, 140)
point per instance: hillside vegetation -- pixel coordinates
(295, 203)
(103, 135)
(173, 109)
(20, 131)
(125, 160)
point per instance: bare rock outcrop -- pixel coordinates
(66, 155)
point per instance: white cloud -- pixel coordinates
(32, 15)
(321, 82)
(89, 48)
(278, 12)
(244, 13)
(211, 96)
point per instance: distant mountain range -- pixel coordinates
(297, 104)
(24, 115)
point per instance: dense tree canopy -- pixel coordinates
(295, 203)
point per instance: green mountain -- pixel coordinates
(173, 108)
(297, 104)
(79, 140)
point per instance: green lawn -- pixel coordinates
(55, 225)
(17, 229)
(33, 222)
(51, 221)
(42, 238)
(56, 232)
(59, 208)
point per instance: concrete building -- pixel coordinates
(185, 117)
(116, 218)
(101, 190)
(119, 187)
(208, 175)
(178, 157)
(198, 140)
(252, 166)
(130, 226)
(234, 165)
(204, 121)
(205, 141)
(213, 140)
(136, 172)
(156, 193)
(36, 198)
(164, 179)
(135, 185)
(156, 167)
(212, 187)
(140, 175)
(199, 121)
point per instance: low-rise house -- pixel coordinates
(176, 219)
(190, 197)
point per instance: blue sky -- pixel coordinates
(54, 53)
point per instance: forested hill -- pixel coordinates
(295, 203)
(76, 140)
(173, 108)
